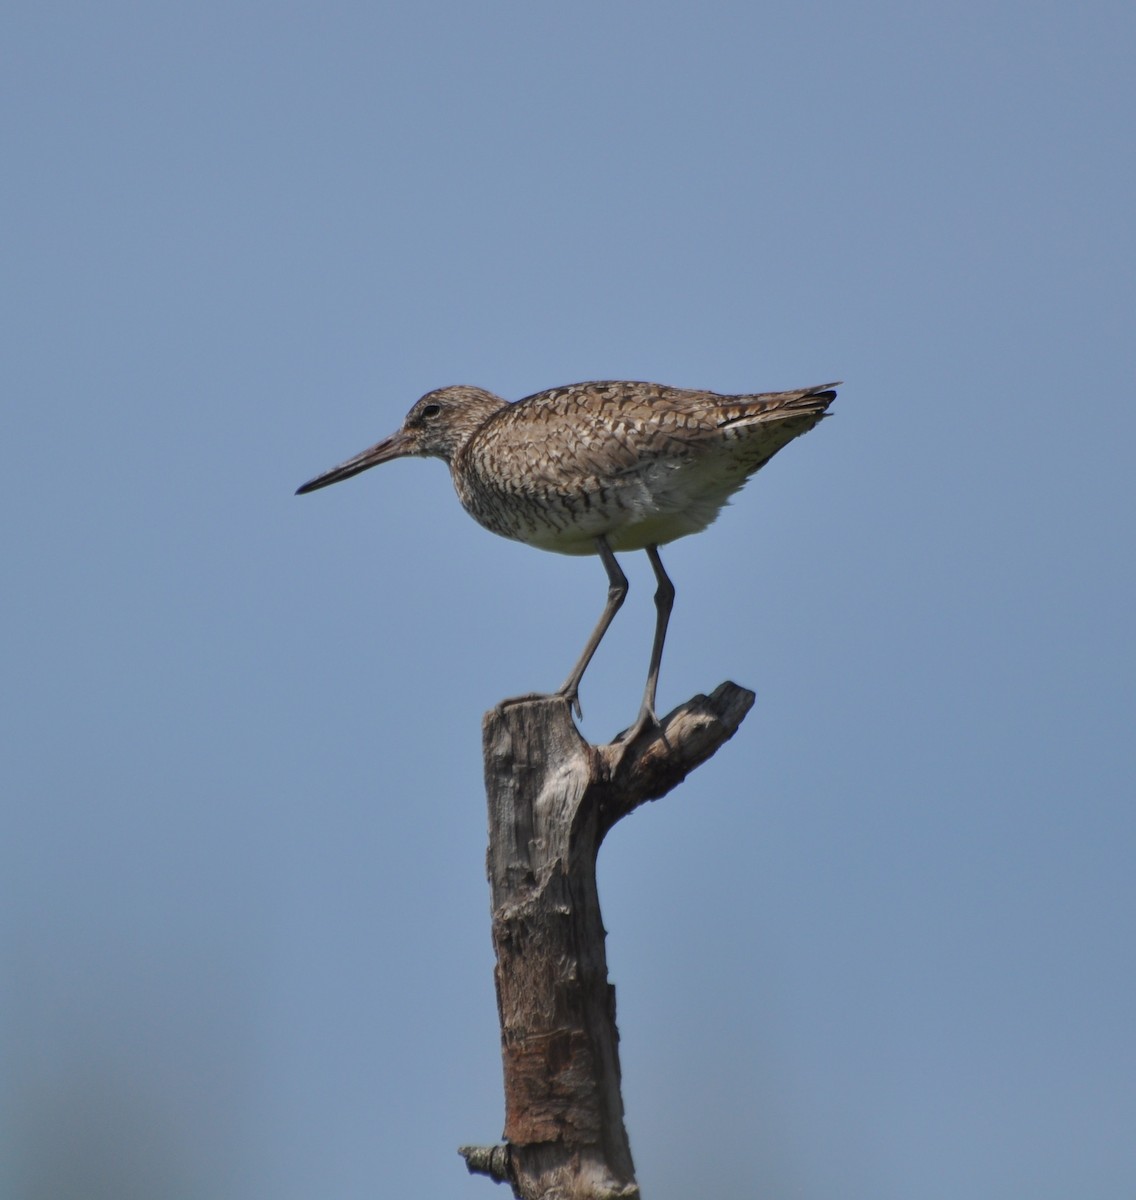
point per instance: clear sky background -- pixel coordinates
(881, 947)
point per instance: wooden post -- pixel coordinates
(552, 799)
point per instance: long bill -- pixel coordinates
(393, 447)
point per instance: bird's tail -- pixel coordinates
(761, 424)
(804, 403)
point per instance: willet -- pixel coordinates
(595, 468)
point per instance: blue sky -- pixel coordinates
(881, 946)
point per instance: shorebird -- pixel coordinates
(595, 468)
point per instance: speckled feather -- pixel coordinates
(639, 463)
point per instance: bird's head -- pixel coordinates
(436, 427)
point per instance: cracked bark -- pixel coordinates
(552, 799)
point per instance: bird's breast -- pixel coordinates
(650, 503)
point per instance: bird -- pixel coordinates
(598, 468)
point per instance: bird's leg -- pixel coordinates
(664, 602)
(616, 592)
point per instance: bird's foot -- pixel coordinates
(571, 697)
(644, 721)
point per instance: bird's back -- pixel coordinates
(639, 463)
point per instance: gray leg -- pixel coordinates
(664, 602)
(616, 592)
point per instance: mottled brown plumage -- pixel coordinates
(597, 467)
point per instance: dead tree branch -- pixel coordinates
(553, 797)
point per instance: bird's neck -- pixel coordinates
(477, 407)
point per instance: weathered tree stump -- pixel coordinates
(552, 799)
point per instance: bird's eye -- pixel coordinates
(431, 410)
